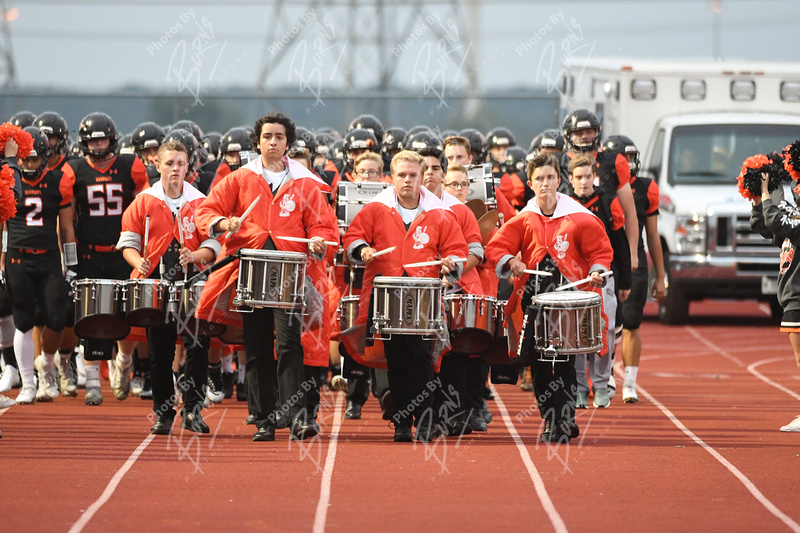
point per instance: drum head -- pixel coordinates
(567, 299)
(232, 335)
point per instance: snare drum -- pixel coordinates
(407, 306)
(566, 323)
(352, 197)
(182, 303)
(497, 354)
(348, 312)
(270, 278)
(482, 185)
(98, 309)
(471, 322)
(144, 302)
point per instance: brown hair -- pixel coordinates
(408, 155)
(172, 146)
(581, 161)
(543, 160)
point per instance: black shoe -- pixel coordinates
(486, 413)
(387, 406)
(353, 411)
(227, 384)
(403, 434)
(303, 430)
(250, 420)
(427, 432)
(476, 422)
(545, 437)
(241, 394)
(147, 387)
(458, 427)
(267, 433)
(194, 422)
(163, 425)
(281, 421)
(568, 428)
(561, 432)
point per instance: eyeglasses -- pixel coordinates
(458, 185)
(369, 173)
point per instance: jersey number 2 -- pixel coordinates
(33, 217)
(105, 199)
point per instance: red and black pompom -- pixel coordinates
(749, 179)
(791, 160)
(8, 203)
(23, 139)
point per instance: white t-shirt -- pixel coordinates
(174, 205)
(408, 214)
(275, 178)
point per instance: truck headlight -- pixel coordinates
(690, 234)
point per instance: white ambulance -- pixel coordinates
(695, 124)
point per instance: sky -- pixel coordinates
(190, 47)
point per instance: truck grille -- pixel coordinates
(732, 233)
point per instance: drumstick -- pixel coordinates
(246, 212)
(146, 235)
(300, 239)
(180, 236)
(584, 280)
(386, 251)
(431, 263)
(537, 272)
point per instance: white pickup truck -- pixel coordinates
(702, 121)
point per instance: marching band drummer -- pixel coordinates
(170, 242)
(553, 233)
(423, 229)
(292, 205)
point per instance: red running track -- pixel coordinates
(701, 451)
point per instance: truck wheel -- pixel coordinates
(675, 307)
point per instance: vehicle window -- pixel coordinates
(714, 153)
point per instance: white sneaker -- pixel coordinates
(121, 381)
(6, 402)
(137, 384)
(27, 395)
(66, 378)
(629, 394)
(93, 394)
(582, 400)
(10, 379)
(601, 399)
(612, 386)
(48, 381)
(793, 426)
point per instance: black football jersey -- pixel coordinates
(102, 196)
(35, 226)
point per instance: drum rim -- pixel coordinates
(471, 297)
(247, 253)
(381, 282)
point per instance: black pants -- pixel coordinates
(410, 377)
(555, 386)
(267, 331)
(161, 341)
(36, 279)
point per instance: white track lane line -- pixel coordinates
(110, 488)
(327, 474)
(749, 485)
(538, 483)
(752, 369)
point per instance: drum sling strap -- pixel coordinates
(536, 285)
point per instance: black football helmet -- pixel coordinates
(369, 123)
(124, 146)
(235, 140)
(23, 119)
(54, 125)
(582, 119)
(324, 143)
(147, 135)
(211, 144)
(97, 126)
(337, 149)
(195, 130)
(359, 139)
(500, 137)
(392, 140)
(477, 143)
(41, 148)
(624, 145)
(552, 139)
(515, 160)
(423, 139)
(187, 139)
(305, 139)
